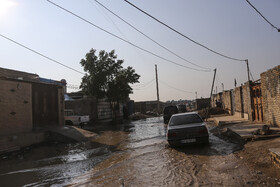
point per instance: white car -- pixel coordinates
(72, 119)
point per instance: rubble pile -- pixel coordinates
(265, 130)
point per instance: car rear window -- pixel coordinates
(185, 119)
(170, 109)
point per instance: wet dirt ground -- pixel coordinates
(132, 154)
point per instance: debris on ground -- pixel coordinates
(228, 135)
(152, 113)
(265, 130)
(137, 116)
(207, 112)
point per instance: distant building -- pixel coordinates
(145, 106)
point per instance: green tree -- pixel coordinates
(106, 77)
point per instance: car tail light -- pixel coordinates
(171, 134)
(203, 131)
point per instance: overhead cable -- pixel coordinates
(109, 19)
(134, 45)
(251, 75)
(148, 36)
(174, 87)
(142, 85)
(148, 85)
(55, 61)
(278, 29)
(220, 54)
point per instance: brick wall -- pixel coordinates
(15, 107)
(237, 99)
(270, 84)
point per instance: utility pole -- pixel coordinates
(195, 95)
(248, 71)
(223, 86)
(213, 82)
(157, 89)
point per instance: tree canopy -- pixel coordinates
(106, 77)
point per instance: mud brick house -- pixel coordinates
(270, 92)
(26, 103)
(257, 101)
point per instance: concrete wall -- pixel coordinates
(15, 107)
(270, 84)
(85, 106)
(146, 106)
(61, 105)
(237, 97)
(216, 97)
(104, 111)
(236, 102)
(140, 107)
(96, 109)
(247, 101)
(227, 103)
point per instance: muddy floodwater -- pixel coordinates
(131, 154)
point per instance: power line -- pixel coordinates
(174, 87)
(148, 85)
(142, 85)
(55, 61)
(148, 36)
(251, 75)
(220, 54)
(72, 87)
(106, 16)
(134, 45)
(262, 16)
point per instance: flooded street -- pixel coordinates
(132, 154)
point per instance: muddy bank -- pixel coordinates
(228, 135)
(256, 155)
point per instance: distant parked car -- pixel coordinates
(187, 128)
(168, 112)
(182, 108)
(72, 119)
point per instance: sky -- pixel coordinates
(230, 27)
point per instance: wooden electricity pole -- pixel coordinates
(248, 70)
(213, 82)
(157, 90)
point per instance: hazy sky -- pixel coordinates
(230, 27)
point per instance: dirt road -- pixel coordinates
(134, 154)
